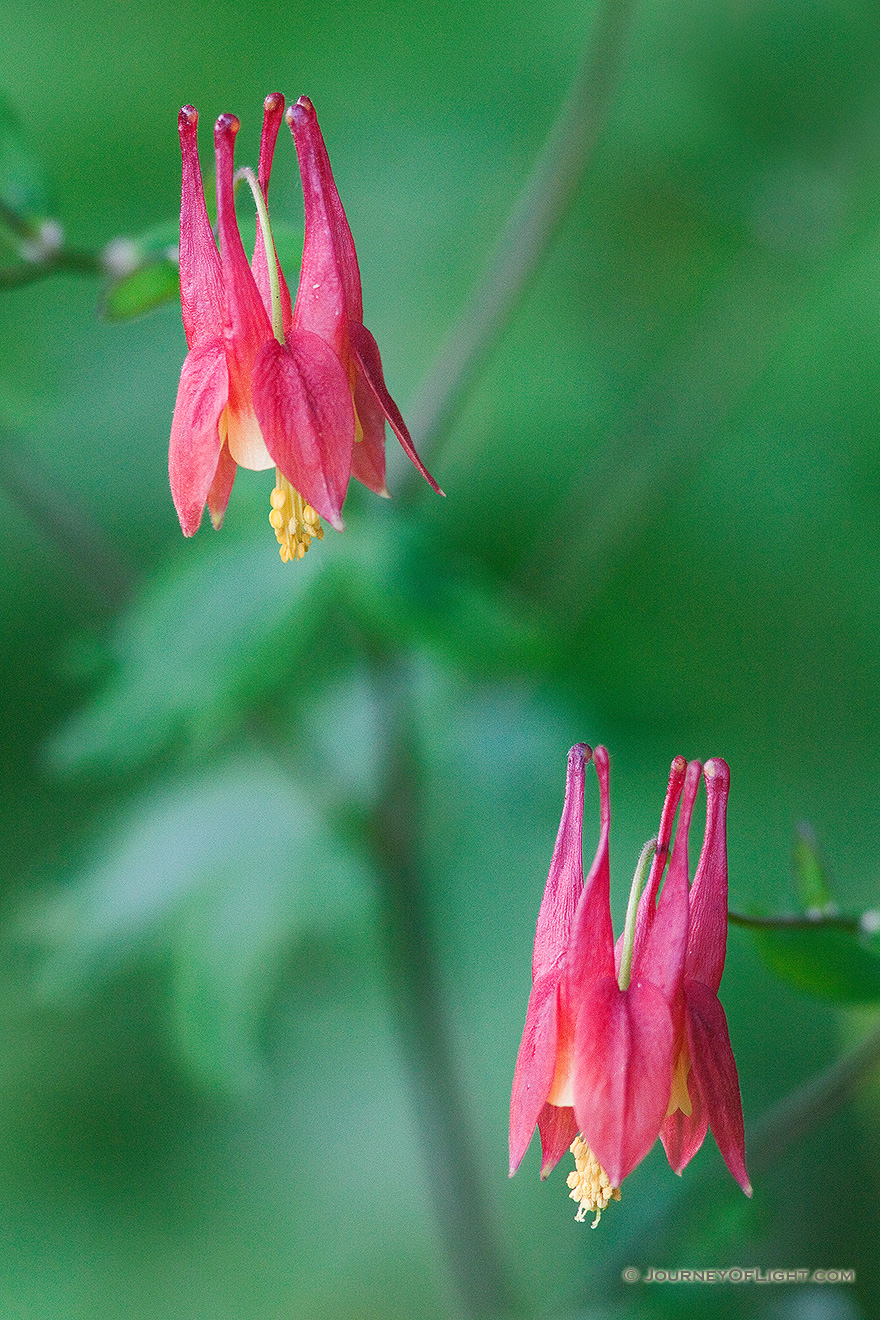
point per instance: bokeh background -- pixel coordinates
(661, 532)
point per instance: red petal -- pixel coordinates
(623, 1072)
(201, 277)
(535, 1064)
(647, 903)
(195, 445)
(707, 938)
(565, 881)
(713, 1070)
(369, 364)
(329, 293)
(558, 1129)
(591, 947)
(248, 325)
(303, 404)
(327, 230)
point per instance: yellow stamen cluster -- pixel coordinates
(589, 1183)
(296, 523)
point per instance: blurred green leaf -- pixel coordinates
(208, 638)
(142, 291)
(823, 960)
(810, 875)
(221, 873)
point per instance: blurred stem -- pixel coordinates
(452, 1172)
(801, 1110)
(529, 229)
(76, 261)
(795, 923)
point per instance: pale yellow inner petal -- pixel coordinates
(679, 1097)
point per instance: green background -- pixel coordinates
(660, 533)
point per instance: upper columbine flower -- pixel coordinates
(608, 1039)
(264, 384)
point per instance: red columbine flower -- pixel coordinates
(264, 384)
(224, 399)
(601, 1060)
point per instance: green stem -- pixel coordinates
(632, 907)
(269, 244)
(533, 220)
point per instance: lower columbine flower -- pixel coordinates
(266, 383)
(613, 1034)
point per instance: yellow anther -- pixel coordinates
(296, 523)
(589, 1183)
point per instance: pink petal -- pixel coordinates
(535, 1064)
(248, 325)
(623, 1072)
(707, 938)
(326, 223)
(660, 959)
(591, 947)
(647, 903)
(565, 881)
(369, 364)
(713, 1070)
(329, 285)
(303, 404)
(195, 446)
(201, 278)
(558, 1129)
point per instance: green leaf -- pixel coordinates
(822, 959)
(220, 874)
